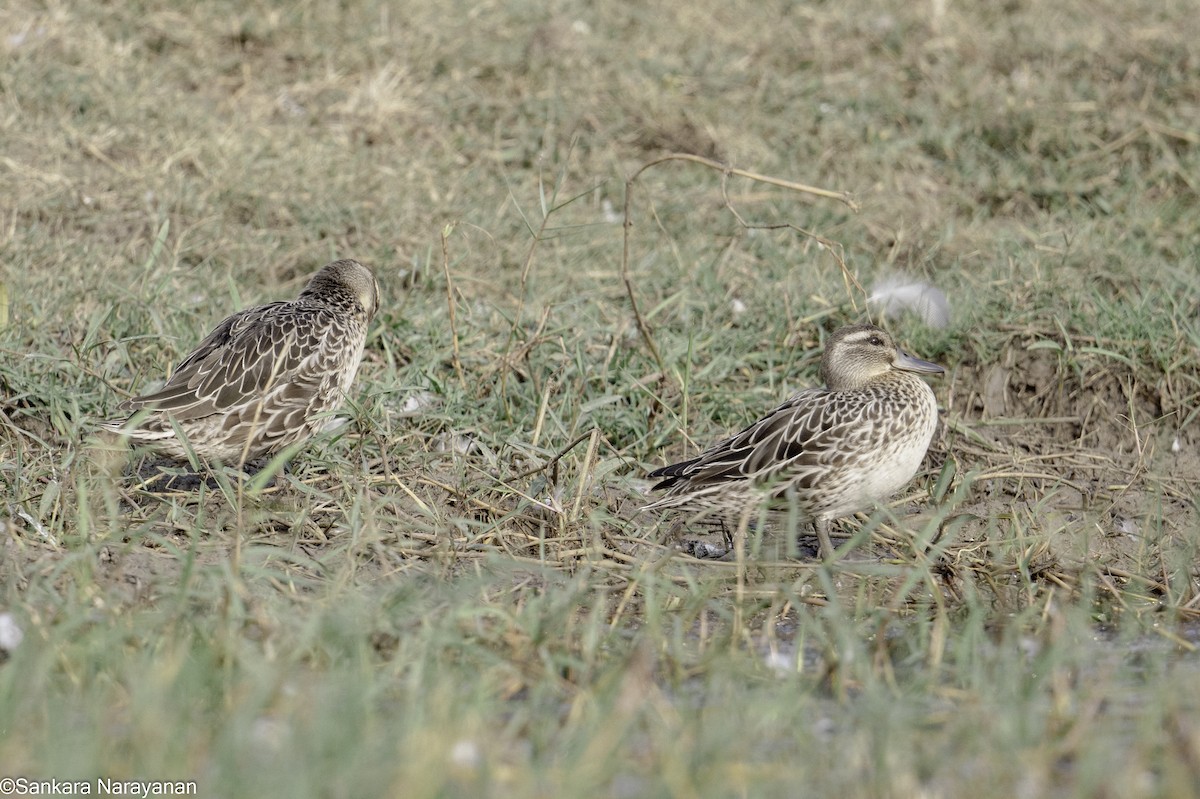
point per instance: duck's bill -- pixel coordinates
(910, 364)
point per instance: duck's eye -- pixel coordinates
(876, 341)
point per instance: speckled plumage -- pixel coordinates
(264, 378)
(829, 451)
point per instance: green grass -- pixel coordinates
(418, 607)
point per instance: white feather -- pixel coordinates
(899, 293)
(10, 633)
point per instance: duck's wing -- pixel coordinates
(239, 361)
(794, 438)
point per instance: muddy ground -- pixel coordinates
(1058, 473)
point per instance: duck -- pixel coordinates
(826, 452)
(265, 378)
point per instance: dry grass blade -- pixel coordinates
(725, 170)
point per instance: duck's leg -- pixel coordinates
(726, 536)
(822, 528)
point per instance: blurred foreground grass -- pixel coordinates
(414, 610)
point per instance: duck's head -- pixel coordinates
(347, 277)
(856, 355)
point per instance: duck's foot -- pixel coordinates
(252, 468)
(163, 476)
(703, 550)
(808, 549)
